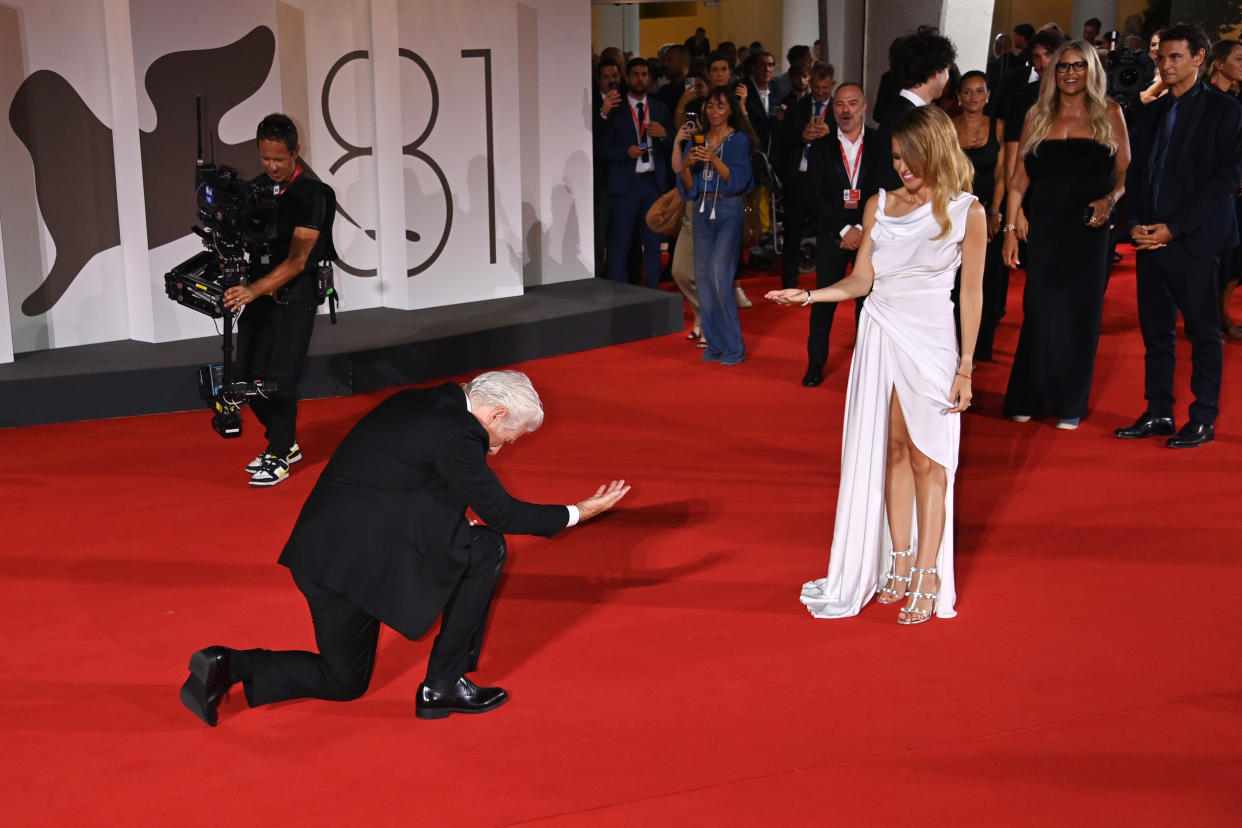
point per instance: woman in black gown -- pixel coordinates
(980, 137)
(1075, 151)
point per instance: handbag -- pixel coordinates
(664, 217)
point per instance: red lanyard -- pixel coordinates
(853, 174)
(292, 179)
(641, 127)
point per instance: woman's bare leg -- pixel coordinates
(930, 486)
(898, 501)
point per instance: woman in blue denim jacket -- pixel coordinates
(716, 175)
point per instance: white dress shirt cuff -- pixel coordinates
(573, 516)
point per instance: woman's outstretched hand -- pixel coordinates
(788, 296)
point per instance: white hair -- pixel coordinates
(511, 389)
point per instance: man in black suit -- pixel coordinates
(384, 538)
(1020, 89)
(1187, 164)
(605, 98)
(634, 142)
(758, 97)
(698, 46)
(793, 142)
(920, 65)
(847, 168)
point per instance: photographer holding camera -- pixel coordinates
(273, 335)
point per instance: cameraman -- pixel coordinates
(274, 333)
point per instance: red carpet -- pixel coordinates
(661, 667)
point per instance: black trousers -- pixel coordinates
(1170, 281)
(272, 341)
(797, 202)
(347, 635)
(831, 262)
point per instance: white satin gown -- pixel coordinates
(907, 342)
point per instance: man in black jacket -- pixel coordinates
(274, 333)
(793, 141)
(848, 167)
(383, 537)
(919, 64)
(1187, 160)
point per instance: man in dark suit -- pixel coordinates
(1187, 161)
(847, 168)
(758, 97)
(635, 145)
(605, 98)
(793, 143)
(384, 538)
(1020, 90)
(920, 65)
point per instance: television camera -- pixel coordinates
(1129, 72)
(237, 223)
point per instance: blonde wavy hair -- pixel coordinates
(930, 148)
(1042, 115)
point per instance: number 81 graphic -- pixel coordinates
(412, 150)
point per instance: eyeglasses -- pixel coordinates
(1077, 66)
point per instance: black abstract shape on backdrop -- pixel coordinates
(74, 167)
(75, 178)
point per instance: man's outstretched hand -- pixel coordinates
(604, 499)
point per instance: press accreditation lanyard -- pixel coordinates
(851, 198)
(852, 173)
(641, 126)
(281, 190)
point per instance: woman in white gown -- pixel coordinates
(908, 384)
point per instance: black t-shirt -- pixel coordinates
(301, 202)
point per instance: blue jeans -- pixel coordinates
(717, 243)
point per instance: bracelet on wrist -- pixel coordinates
(1008, 227)
(809, 300)
(963, 376)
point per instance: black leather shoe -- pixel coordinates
(1147, 425)
(463, 697)
(211, 676)
(1192, 434)
(814, 376)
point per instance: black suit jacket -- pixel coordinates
(829, 179)
(385, 525)
(1201, 171)
(787, 140)
(900, 106)
(761, 120)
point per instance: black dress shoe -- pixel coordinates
(1192, 434)
(463, 697)
(211, 676)
(814, 376)
(1147, 426)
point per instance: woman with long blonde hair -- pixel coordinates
(908, 381)
(1074, 151)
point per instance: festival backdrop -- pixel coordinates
(415, 112)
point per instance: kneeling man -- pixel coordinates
(384, 537)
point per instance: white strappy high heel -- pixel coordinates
(916, 595)
(892, 578)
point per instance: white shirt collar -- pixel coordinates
(913, 98)
(636, 101)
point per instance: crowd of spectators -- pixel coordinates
(1048, 127)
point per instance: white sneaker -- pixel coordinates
(271, 472)
(294, 455)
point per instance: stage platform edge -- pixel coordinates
(367, 350)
